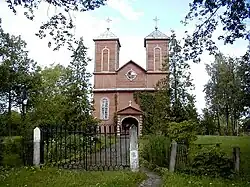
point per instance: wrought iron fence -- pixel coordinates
(92, 148)
(181, 156)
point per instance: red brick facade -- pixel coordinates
(116, 84)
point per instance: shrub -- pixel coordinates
(183, 132)
(12, 151)
(211, 161)
(156, 151)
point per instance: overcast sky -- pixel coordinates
(132, 20)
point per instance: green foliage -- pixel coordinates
(183, 132)
(224, 95)
(12, 151)
(156, 151)
(211, 161)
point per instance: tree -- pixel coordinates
(232, 16)
(60, 26)
(77, 88)
(172, 99)
(223, 92)
(18, 73)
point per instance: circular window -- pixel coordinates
(131, 75)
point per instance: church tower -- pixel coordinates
(107, 47)
(156, 44)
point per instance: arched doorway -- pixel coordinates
(126, 124)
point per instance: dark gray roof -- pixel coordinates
(107, 35)
(156, 34)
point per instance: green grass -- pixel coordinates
(227, 143)
(52, 177)
(182, 180)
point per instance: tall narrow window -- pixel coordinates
(104, 109)
(105, 59)
(157, 58)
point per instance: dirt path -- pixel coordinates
(154, 180)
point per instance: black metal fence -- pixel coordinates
(92, 148)
(16, 149)
(181, 156)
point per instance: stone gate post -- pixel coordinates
(134, 156)
(36, 143)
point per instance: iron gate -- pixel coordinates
(93, 148)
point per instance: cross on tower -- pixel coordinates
(108, 21)
(156, 22)
(130, 103)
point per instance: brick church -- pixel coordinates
(114, 85)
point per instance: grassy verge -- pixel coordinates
(181, 180)
(51, 177)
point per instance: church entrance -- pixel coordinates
(126, 124)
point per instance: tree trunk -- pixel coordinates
(9, 112)
(218, 122)
(227, 120)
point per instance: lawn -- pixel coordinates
(227, 143)
(182, 180)
(52, 177)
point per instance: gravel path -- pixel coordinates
(154, 180)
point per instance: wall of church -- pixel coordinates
(123, 99)
(153, 78)
(106, 55)
(138, 82)
(105, 81)
(153, 48)
(97, 106)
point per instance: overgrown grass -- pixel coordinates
(183, 180)
(227, 143)
(52, 177)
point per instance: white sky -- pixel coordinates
(89, 25)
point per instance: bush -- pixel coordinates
(183, 132)
(156, 151)
(211, 161)
(12, 151)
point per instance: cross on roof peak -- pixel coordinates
(108, 20)
(156, 22)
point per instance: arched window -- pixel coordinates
(157, 58)
(104, 108)
(105, 59)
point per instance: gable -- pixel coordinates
(131, 63)
(129, 110)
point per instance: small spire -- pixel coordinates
(130, 103)
(108, 21)
(156, 22)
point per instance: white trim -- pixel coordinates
(157, 47)
(124, 89)
(130, 117)
(146, 56)
(101, 102)
(105, 48)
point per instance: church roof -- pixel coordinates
(155, 35)
(129, 110)
(132, 62)
(108, 35)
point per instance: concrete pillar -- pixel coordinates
(36, 142)
(173, 156)
(236, 155)
(118, 125)
(134, 156)
(140, 125)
